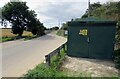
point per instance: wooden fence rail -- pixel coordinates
(55, 52)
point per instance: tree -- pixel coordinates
(109, 10)
(55, 28)
(14, 12)
(118, 24)
(1, 20)
(95, 6)
(39, 29)
(118, 14)
(21, 17)
(0, 13)
(64, 26)
(92, 7)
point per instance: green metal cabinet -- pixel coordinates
(92, 38)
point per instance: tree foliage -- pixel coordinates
(109, 10)
(64, 26)
(55, 28)
(22, 18)
(0, 13)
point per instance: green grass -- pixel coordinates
(55, 70)
(29, 37)
(42, 70)
(60, 32)
(7, 35)
(3, 39)
(56, 60)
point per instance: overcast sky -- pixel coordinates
(53, 12)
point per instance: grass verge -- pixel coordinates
(55, 70)
(29, 37)
(4, 39)
(61, 32)
(42, 70)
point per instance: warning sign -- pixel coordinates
(83, 32)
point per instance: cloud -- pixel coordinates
(51, 12)
(63, 11)
(55, 11)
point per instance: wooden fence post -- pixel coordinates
(64, 47)
(58, 51)
(47, 57)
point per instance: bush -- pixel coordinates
(117, 58)
(43, 71)
(60, 32)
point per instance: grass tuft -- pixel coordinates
(42, 70)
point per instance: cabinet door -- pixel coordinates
(78, 41)
(101, 42)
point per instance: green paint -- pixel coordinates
(99, 41)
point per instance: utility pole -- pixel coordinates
(88, 8)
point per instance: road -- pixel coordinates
(20, 56)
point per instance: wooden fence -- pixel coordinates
(55, 52)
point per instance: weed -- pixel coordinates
(42, 70)
(117, 58)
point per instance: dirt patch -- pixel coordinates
(90, 67)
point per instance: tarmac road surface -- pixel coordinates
(20, 56)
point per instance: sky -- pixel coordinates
(55, 12)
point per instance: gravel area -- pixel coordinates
(90, 67)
